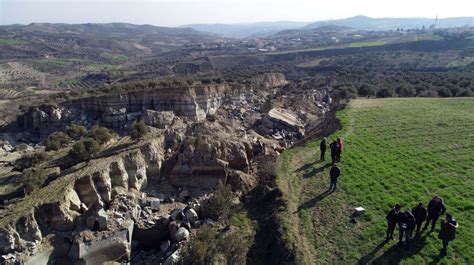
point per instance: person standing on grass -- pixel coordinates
(392, 220)
(435, 210)
(447, 232)
(322, 148)
(420, 213)
(333, 175)
(333, 147)
(406, 223)
(339, 149)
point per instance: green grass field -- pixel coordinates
(366, 44)
(396, 151)
(11, 42)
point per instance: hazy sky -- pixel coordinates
(179, 12)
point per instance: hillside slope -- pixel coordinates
(396, 151)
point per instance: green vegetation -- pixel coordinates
(76, 131)
(99, 66)
(56, 141)
(58, 62)
(396, 151)
(11, 42)
(366, 44)
(120, 58)
(219, 206)
(230, 246)
(461, 62)
(71, 82)
(138, 130)
(84, 149)
(100, 134)
(32, 179)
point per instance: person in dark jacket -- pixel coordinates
(447, 232)
(339, 149)
(322, 148)
(334, 175)
(420, 213)
(435, 210)
(392, 220)
(406, 223)
(333, 147)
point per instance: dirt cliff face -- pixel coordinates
(200, 136)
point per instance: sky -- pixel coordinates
(181, 12)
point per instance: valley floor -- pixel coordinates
(396, 151)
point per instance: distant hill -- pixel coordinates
(325, 28)
(111, 29)
(368, 23)
(261, 29)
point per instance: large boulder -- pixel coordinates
(182, 234)
(158, 119)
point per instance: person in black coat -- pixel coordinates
(435, 210)
(420, 213)
(334, 151)
(392, 220)
(322, 148)
(334, 174)
(406, 223)
(447, 232)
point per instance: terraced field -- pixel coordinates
(396, 151)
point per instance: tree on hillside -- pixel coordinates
(100, 134)
(32, 179)
(138, 130)
(76, 131)
(84, 149)
(56, 141)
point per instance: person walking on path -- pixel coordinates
(447, 232)
(435, 210)
(420, 213)
(406, 223)
(334, 175)
(333, 147)
(339, 149)
(392, 220)
(322, 148)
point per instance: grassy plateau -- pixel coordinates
(396, 151)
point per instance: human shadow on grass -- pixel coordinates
(308, 165)
(396, 253)
(312, 202)
(316, 171)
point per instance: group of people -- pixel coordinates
(336, 150)
(335, 147)
(410, 221)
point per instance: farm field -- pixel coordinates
(396, 151)
(366, 44)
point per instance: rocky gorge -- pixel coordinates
(148, 194)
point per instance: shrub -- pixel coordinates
(76, 131)
(383, 93)
(84, 149)
(464, 93)
(30, 160)
(219, 206)
(32, 179)
(445, 92)
(56, 141)
(208, 247)
(138, 130)
(203, 247)
(100, 134)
